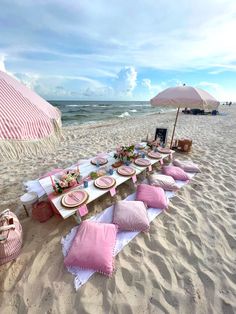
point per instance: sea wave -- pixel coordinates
(102, 105)
(142, 105)
(124, 115)
(133, 110)
(74, 117)
(80, 106)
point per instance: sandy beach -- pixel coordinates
(185, 264)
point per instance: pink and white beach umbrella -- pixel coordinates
(185, 97)
(29, 125)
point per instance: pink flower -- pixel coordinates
(64, 176)
(63, 184)
(72, 182)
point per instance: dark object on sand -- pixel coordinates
(200, 112)
(186, 111)
(197, 111)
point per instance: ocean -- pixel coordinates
(79, 112)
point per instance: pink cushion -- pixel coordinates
(152, 196)
(186, 165)
(131, 216)
(92, 247)
(175, 172)
(163, 181)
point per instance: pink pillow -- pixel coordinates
(175, 172)
(131, 216)
(92, 247)
(186, 165)
(163, 181)
(152, 196)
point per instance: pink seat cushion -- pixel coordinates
(175, 172)
(131, 216)
(163, 181)
(186, 165)
(152, 196)
(92, 247)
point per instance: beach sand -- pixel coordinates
(185, 264)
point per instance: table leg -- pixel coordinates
(77, 218)
(26, 211)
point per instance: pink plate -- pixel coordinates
(155, 155)
(142, 162)
(104, 182)
(100, 160)
(164, 150)
(74, 198)
(126, 171)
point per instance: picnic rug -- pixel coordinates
(123, 237)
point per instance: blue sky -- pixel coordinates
(119, 49)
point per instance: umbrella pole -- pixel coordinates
(173, 133)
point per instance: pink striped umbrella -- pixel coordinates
(184, 97)
(29, 125)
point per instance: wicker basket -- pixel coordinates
(184, 145)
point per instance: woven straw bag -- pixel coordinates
(10, 236)
(184, 145)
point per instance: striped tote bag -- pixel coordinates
(10, 236)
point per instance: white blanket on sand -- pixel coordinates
(123, 237)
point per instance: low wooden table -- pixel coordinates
(94, 193)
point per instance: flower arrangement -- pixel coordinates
(125, 153)
(68, 179)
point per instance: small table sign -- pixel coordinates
(113, 191)
(83, 210)
(134, 178)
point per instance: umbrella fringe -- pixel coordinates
(15, 149)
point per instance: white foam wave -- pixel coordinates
(133, 110)
(143, 105)
(124, 115)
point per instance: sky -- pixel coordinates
(119, 49)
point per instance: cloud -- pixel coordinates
(126, 81)
(59, 86)
(154, 89)
(209, 85)
(159, 35)
(86, 45)
(147, 83)
(47, 88)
